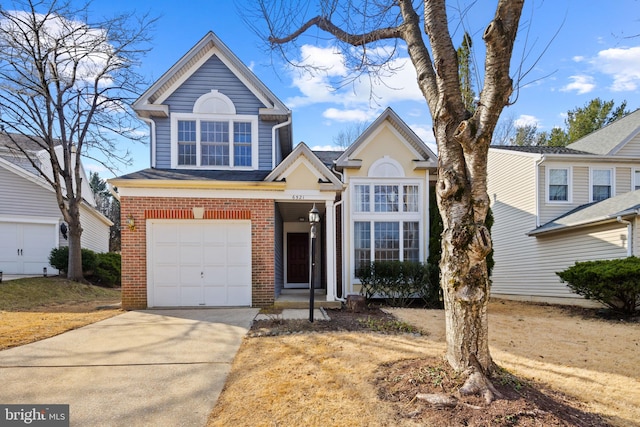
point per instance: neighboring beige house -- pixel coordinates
(554, 206)
(31, 223)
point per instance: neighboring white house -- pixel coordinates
(554, 206)
(30, 220)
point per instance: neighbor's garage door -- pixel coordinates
(25, 247)
(199, 263)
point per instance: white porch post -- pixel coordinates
(330, 236)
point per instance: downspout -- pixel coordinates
(152, 130)
(273, 139)
(335, 208)
(537, 189)
(629, 234)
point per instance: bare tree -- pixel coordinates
(462, 136)
(349, 134)
(66, 84)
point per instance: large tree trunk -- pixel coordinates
(74, 268)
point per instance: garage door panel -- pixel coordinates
(25, 247)
(213, 260)
(169, 295)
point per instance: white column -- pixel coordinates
(330, 236)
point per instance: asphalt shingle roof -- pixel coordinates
(195, 175)
(605, 210)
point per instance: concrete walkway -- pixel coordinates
(144, 368)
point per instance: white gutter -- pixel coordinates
(273, 140)
(629, 234)
(152, 131)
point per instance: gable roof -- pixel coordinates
(608, 210)
(611, 138)
(150, 102)
(429, 158)
(328, 179)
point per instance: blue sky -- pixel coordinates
(593, 55)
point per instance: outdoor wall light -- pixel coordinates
(314, 219)
(131, 223)
(63, 230)
(0, 276)
(44, 271)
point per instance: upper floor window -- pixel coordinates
(601, 184)
(214, 136)
(558, 188)
(386, 198)
(636, 179)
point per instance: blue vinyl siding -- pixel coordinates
(212, 75)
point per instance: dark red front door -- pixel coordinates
(298, 258)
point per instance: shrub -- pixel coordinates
(108, 269)
(59, 258)
(399, 283)
(614, 283)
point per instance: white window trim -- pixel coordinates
(372, 217)
(175, 117)
(612, 170)
(569, 170)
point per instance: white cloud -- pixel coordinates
(526, 120)
(330, 81)
(349, 115)
(581, 84)
(95, 167)
(623, 64)
(325, 148)
(578, 58)
(425, 133)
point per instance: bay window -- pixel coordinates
(386, 223)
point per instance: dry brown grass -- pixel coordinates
(327, 379)
(38, 308)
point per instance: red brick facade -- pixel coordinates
(134, 241)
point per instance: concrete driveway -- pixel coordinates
(141, 368)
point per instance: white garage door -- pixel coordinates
(199, 263)
(25, 247)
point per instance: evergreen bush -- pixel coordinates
(614, 283)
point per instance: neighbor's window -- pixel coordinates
(601, 184)
(559, 185)
(636, 179)
(214, 143)
(361, 198)
(385, 198)
(187, 142)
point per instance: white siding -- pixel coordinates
(527, 266)
(623, 180)
(631, 149)
(22, 197)
(95, 234)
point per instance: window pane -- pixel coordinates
(362, 244)
(601, 184)
(361, 198)
(242, 143)
(387, 241)
(214, 155)
(636, 180)
(214, 132)
(186, 154)
(411, 241)
(559, 184)
(214, 143)
(410, 198)
(386, 198)
(186, 131)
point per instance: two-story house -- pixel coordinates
(221, 216)
(31, 223)
(554, 206)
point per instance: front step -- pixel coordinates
(299, 298)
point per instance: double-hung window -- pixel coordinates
(558, 188)
(386, 222)
(214, 142)
(601, 184)
(636, 179)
